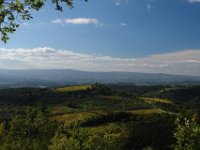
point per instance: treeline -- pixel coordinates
(34, 131)
(26, 123)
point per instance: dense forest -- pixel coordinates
(102, 117)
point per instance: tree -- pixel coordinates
(30, 131)
(187, 135)
(75, 137)
(13, 10)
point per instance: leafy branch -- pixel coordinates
(12, 10)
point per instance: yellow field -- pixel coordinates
(156, 100)
(146, 111)
(72, 116)
(73, 88)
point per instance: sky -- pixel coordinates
(153, 36)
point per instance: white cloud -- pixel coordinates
(183, 62)
(77, 21)
(193, 1)
(82, 21)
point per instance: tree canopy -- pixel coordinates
(11, 11)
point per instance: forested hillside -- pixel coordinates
(88, 117)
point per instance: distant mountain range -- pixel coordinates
(33, 78)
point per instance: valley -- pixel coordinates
(121, 112)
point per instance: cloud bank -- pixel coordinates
(183, 62)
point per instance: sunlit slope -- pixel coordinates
(156, 100)
(73, 88)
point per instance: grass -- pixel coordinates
(58, 109)
(92, 106)
(112, 97)
(146, 111)
(73, 88)
(73, 116)
(156, 100)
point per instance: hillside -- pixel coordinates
(137, 116)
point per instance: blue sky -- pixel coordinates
(129, 30)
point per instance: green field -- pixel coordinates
(156, 100)
(96, 113)
(73, 88)
(146, 111)
(59, 109)
(72, 116)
